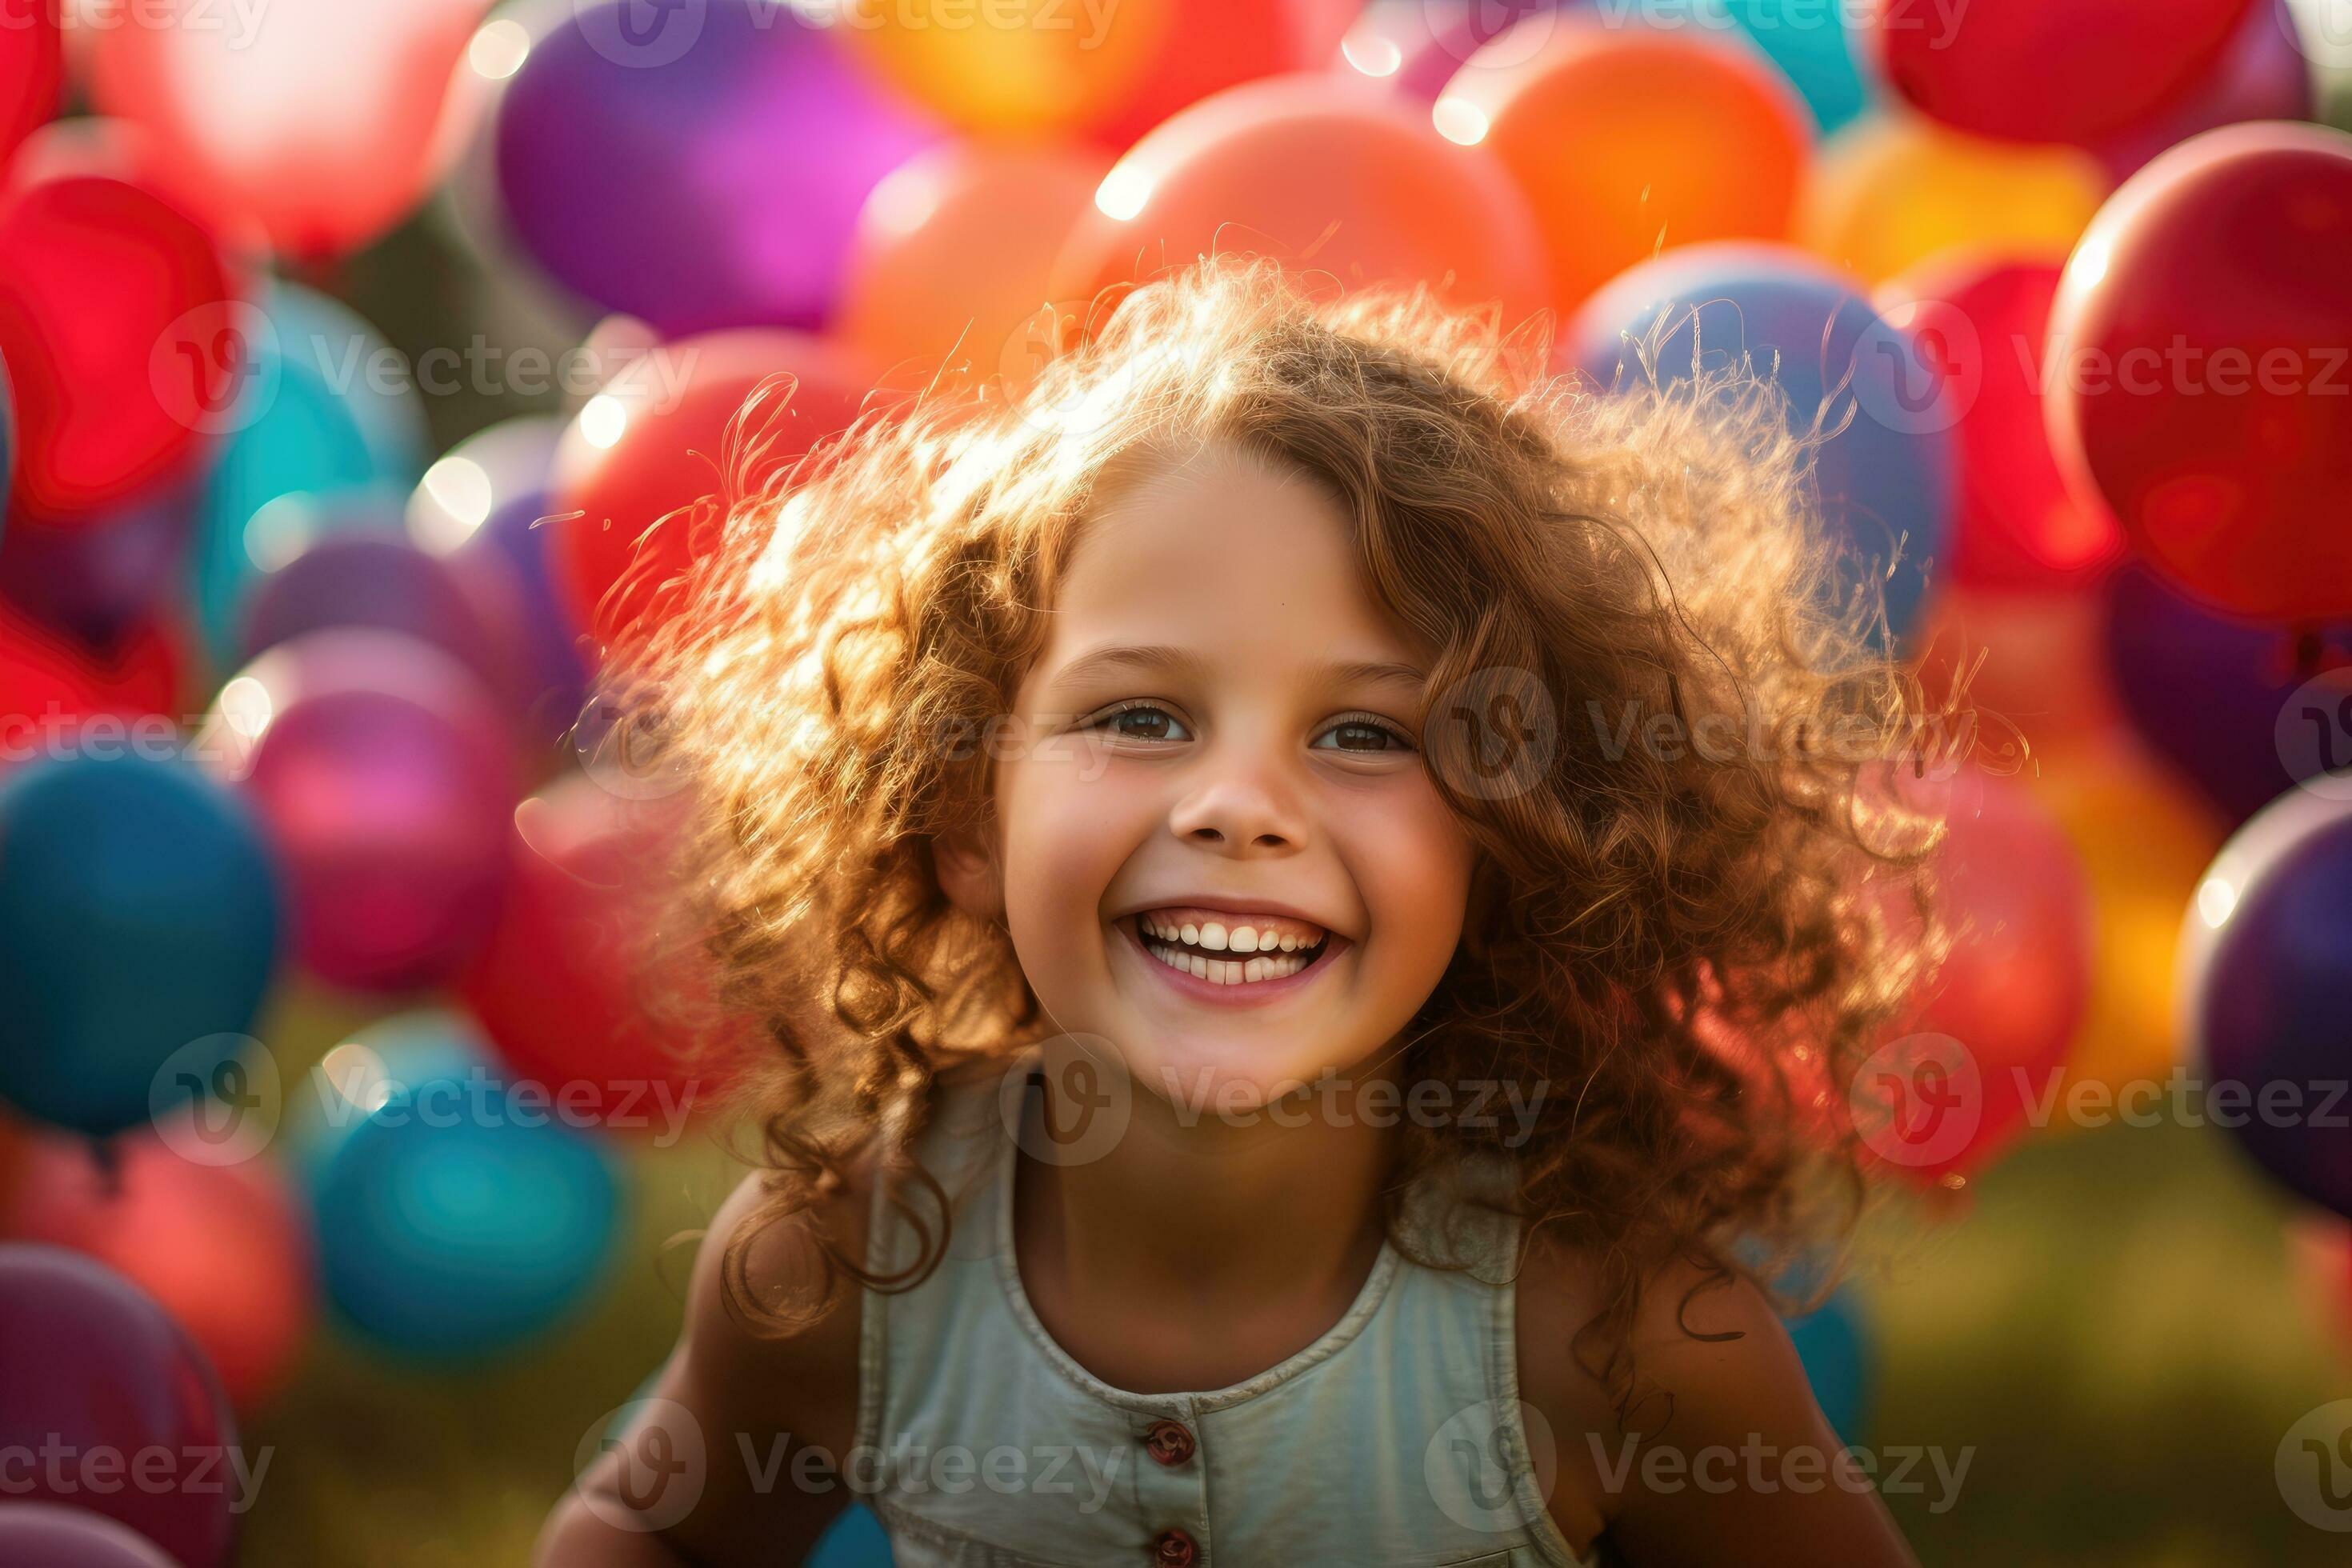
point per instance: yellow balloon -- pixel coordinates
(1891, 191)
(1012, 67)
(2145, 842)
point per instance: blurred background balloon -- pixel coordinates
(97, 578)
(32, 71)
(2202, 391)
(323, 123)
(656, 438)
(140, 917)
(454, 1218)
(383, 772)
(1833, 1343)
(1890, 192)
(1322, 176)
(1981, 323)
(325, 432)
(225, 1248)
(89, 1364)
(111, 290)
(2265, 983)
(1627, 138)
(643, 167)
(52, 1535)
(1885, 481)
(2263, 72)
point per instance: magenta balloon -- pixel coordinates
(700, 166)
(93, 1374)
(376, 577)
(383, 771)
(47, 1535)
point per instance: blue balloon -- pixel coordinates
(140, 919)
(1833, 1343)
(461, 1214)
(327, 422)
(1886, 479)
(856, 1540)
(1814, 49)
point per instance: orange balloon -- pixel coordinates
(1889, 191)
(2146, 843)
(1057, 63)
(954, 252)
(1315, 171)
(1629, 140)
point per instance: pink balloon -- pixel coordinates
(383, 774)
(326, 122)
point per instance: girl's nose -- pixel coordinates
(1239, 808)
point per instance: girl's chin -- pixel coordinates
(1201, 1075)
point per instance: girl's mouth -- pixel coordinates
(1221, 974)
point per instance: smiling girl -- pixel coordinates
(1329, 933)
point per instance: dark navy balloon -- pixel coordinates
(1886, 479)
(139, 912)
(89, 1365)
(2203, 691)
(101, 577)
(2266, 971)
(462, 1215)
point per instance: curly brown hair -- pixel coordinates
(1700, 938)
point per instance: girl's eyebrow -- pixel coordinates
(1161, 656)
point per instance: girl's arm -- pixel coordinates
(1742, 1466)
(711, 1472)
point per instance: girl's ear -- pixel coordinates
(971, 871)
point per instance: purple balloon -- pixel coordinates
(381, 770)
(94, 1374)
(2204, 691)
(699, 163)
(101, 579)
(372, 577)
(2267, 962)
(556, 678)
(46, 1535)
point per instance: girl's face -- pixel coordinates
(1218, 848)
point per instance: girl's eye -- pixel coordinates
(1151, 723)
(1368, 732)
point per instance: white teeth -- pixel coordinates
(1212, 937)
(1189, 933)
(1226, 970)
(1244, 940)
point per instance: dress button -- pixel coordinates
(1172, 1548)
(1170, 1442)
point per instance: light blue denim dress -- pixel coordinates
(1396, 1438)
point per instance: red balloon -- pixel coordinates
(225, 1248)
(2200, 385)
(2005, 1006)
(558, 987)
(93, 1371)
(1981, 326)
(384, 775)
(104, 282)
(32, 69)
(1322, 175)
(657, 439)
(50, 1535)
(2029, 70)
(51, 686)
(1211, 45)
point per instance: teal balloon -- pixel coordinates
(1833, 1343)
(140, 922)
(1814, 50)
(457, 1216)
(854, 1540)
(328, 423)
